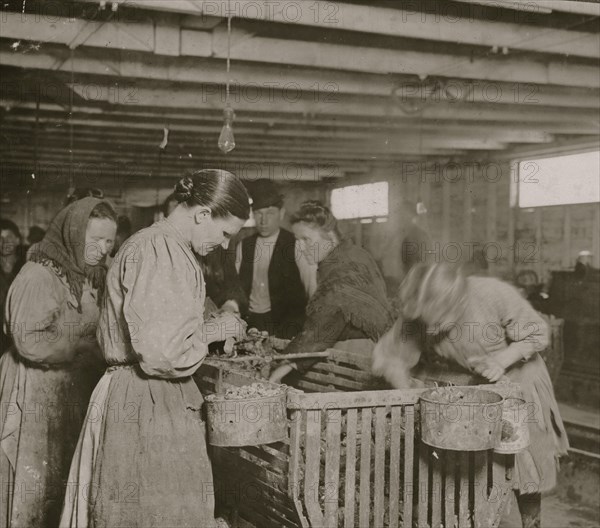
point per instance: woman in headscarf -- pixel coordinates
(48, 375)
(141, 459)
(349, 309)
(484, 325)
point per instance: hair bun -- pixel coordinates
(312, 203)
(314, 207)
(183, 189)
(315, 212)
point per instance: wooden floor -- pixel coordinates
(557, 512)
(580, 415)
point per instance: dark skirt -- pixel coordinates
(41, 415)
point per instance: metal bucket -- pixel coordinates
(249, 422)
(472, 423)
(514, 436)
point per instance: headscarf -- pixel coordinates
(63, 248)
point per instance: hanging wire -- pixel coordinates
(160, 163)
(71, 169)
(36, 133)
(421, 134)
(228, 52)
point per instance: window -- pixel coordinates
(360, 201)
(561, 180)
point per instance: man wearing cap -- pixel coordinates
(268, 268)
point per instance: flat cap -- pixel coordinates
(265, 193)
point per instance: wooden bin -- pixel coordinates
(354, 459)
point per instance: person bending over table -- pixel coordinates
(349, 309)
(141, 459)
(484, 325)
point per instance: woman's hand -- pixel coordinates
(231, 306)
(488, 368)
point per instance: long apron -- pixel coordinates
(41, 416)
(141, 459)
(536, 467)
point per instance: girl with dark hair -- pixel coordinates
(47, 377)
(141, 459)
(349, 309)
(484, 325)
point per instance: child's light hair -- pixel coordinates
(428, 285)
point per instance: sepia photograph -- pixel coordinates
(300, 264)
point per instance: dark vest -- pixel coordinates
(288, 298)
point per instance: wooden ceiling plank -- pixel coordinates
(100, 128)
(328, 86)
(135, 36)
(382, 107)
(542, 6)
(267, 124)
(249, 147)
(440, 26)
(97, 128)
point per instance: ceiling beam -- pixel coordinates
(249, 144)
(99, 129)
(267, 123)
(250, 147)
(443, 25)
(188, 98)
(250, 152)
(542, 6)
(254, 81)
(58, 165)
(564, 147)
(140, 36)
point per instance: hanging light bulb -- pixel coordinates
(226, 139)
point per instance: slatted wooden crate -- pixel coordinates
(356, 460)
(342, 371)
(353, 459)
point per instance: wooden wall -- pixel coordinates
(140, 203)
(469, 208)
(39, 207)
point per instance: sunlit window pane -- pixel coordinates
(360, 201)
(561, 180)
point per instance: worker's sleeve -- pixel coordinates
(396, 354)
(321, 331)
(159, 302)
(42, 328)
(526, 330)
